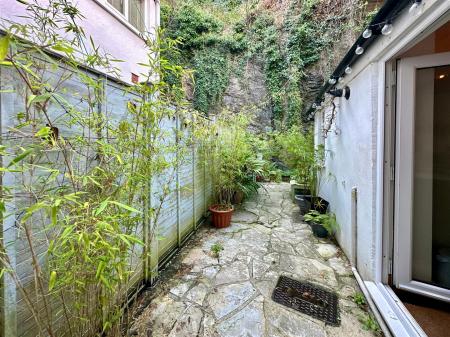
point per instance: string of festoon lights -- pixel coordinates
(372, 31)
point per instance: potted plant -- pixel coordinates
(317, 203)
(297, 151)
(230, 165)
(246, 182)
(322, 225)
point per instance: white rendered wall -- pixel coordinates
(350, 162)
(114, 35)
(352, 154)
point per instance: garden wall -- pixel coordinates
(182, 211)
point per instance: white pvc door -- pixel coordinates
(422, 179)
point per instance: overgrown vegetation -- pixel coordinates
(295, 147)
(327, 220)
(220, 37)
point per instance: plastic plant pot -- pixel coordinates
(221, 218)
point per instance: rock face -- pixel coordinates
(247, 91)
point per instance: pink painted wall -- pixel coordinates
(112, 34)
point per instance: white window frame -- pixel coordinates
(124, 17)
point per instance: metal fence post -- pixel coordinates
(177, 172)
(194, 213)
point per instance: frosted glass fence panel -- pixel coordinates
(185, 190)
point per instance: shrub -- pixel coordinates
(296, 149)
(234, 164)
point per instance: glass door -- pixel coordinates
(422, 180)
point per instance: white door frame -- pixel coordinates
(404, 177)
(396, 316)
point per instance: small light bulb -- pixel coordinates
(387, 29)
(367, 33)
(314, 106)
(441, 76)
(359, 50)
(332, 80)
(414, 6)
(348, 70)
(340, 79)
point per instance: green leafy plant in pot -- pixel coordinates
(322, 225)
(317, 203)
(296, 149)
(230, 164)
(246, 183)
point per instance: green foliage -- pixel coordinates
(216, 249)
(359, 299)
(211, 77)
(85, 193)
(204, 47)
(4, 45)
(243, 31)
(189, 24)
(286, 52)
(234, 163)
(370, 324)
(296, 149)
(327, 220)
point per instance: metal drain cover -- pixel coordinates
(308, 299)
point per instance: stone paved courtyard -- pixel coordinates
(230, 296)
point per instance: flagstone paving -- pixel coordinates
(230, 296)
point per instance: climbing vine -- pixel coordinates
(211, 77)
(220, 37)
(204, 48)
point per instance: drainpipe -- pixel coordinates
(354, 223)
(354, 261)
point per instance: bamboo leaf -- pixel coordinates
(65, 48)
(44, 132)
(101, 208)
(54, 215)
(19, 158)
(124, 239)
(128, 208)
(52, 281)
(4, 45)
(39, 98)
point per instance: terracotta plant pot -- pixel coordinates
(220, 219)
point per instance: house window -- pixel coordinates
(118, 4)
(132, 10)
(136, 14)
